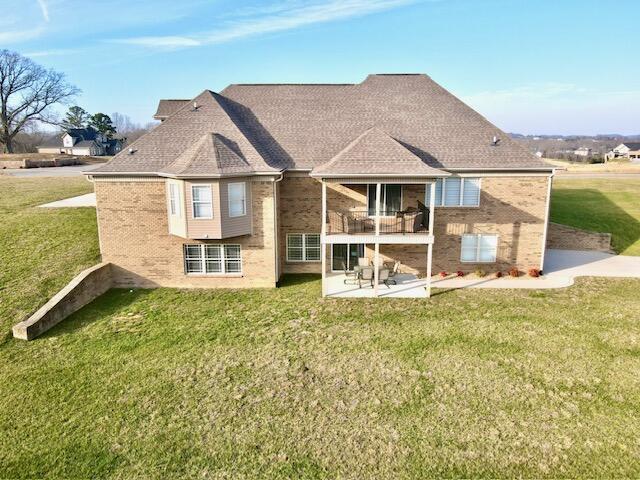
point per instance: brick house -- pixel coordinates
(231, 189)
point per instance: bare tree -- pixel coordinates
(27, 91)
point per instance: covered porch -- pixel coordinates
(376, 192)
(407, 286)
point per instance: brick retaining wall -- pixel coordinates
(84, 288)
(564, 237)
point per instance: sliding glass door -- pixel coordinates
(345, 255)
(391, 199)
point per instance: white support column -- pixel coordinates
(429, 259)
(432, 205)
(376, 269)
(376, 256)
(323, 232)
(378, 194)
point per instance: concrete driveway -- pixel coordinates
(71, 171)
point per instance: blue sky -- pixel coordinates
(537, 66)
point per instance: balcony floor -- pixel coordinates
(408, 286)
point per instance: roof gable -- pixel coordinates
(181, 132)
(211, 155)
(375, 153)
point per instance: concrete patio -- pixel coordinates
(562, 267)
(408, 286)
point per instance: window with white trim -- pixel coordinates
(201, 201)
(212, 259)
(237, 193)
(479, 248)
(303, 247)
(174, 202)
(456, 192)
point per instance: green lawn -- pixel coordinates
(601, 205)
(283, 384)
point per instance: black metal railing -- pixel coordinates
(391, 221)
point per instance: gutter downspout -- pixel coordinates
(546, 221)
(276, 243)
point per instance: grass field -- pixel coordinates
(283, 384)
(601, 205)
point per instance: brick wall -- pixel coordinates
(514, 208)
(564, 237)
(134, 232)
(134, 237)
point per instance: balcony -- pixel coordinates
(364, 222)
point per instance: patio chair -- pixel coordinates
(393, 272)
(363, 262)
(351, 277)
(366, 274)
(383, 277)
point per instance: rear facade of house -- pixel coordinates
(235, 189)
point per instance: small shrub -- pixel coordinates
(460, 273)
(534, 272)
(480, 273)
(443, 274)
(514, 272)
(498, 274)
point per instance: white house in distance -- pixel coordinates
(583, 152)
(630, 150)
(82, 142)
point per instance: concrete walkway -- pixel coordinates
(87, 200)
(562, 267)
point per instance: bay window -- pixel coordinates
(237, 193)
(201, 201)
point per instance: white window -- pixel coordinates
(479, 248)
(456, 192)
(237, 194)
(303, 247)
(174, 199)
(212, 259)
(201, 201)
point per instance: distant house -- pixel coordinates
(630, 150)
(583, 152)
(83, 142)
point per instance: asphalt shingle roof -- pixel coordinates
(632, 145)
(376, 153)
(284, 126)
(211, 155)
(169, 107)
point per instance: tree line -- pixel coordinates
(28, 94)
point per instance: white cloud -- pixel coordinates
(280, 17)
(17, 36)
(45, 10)
(52, 53)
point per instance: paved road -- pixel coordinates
(49, 171)
(586, 176)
